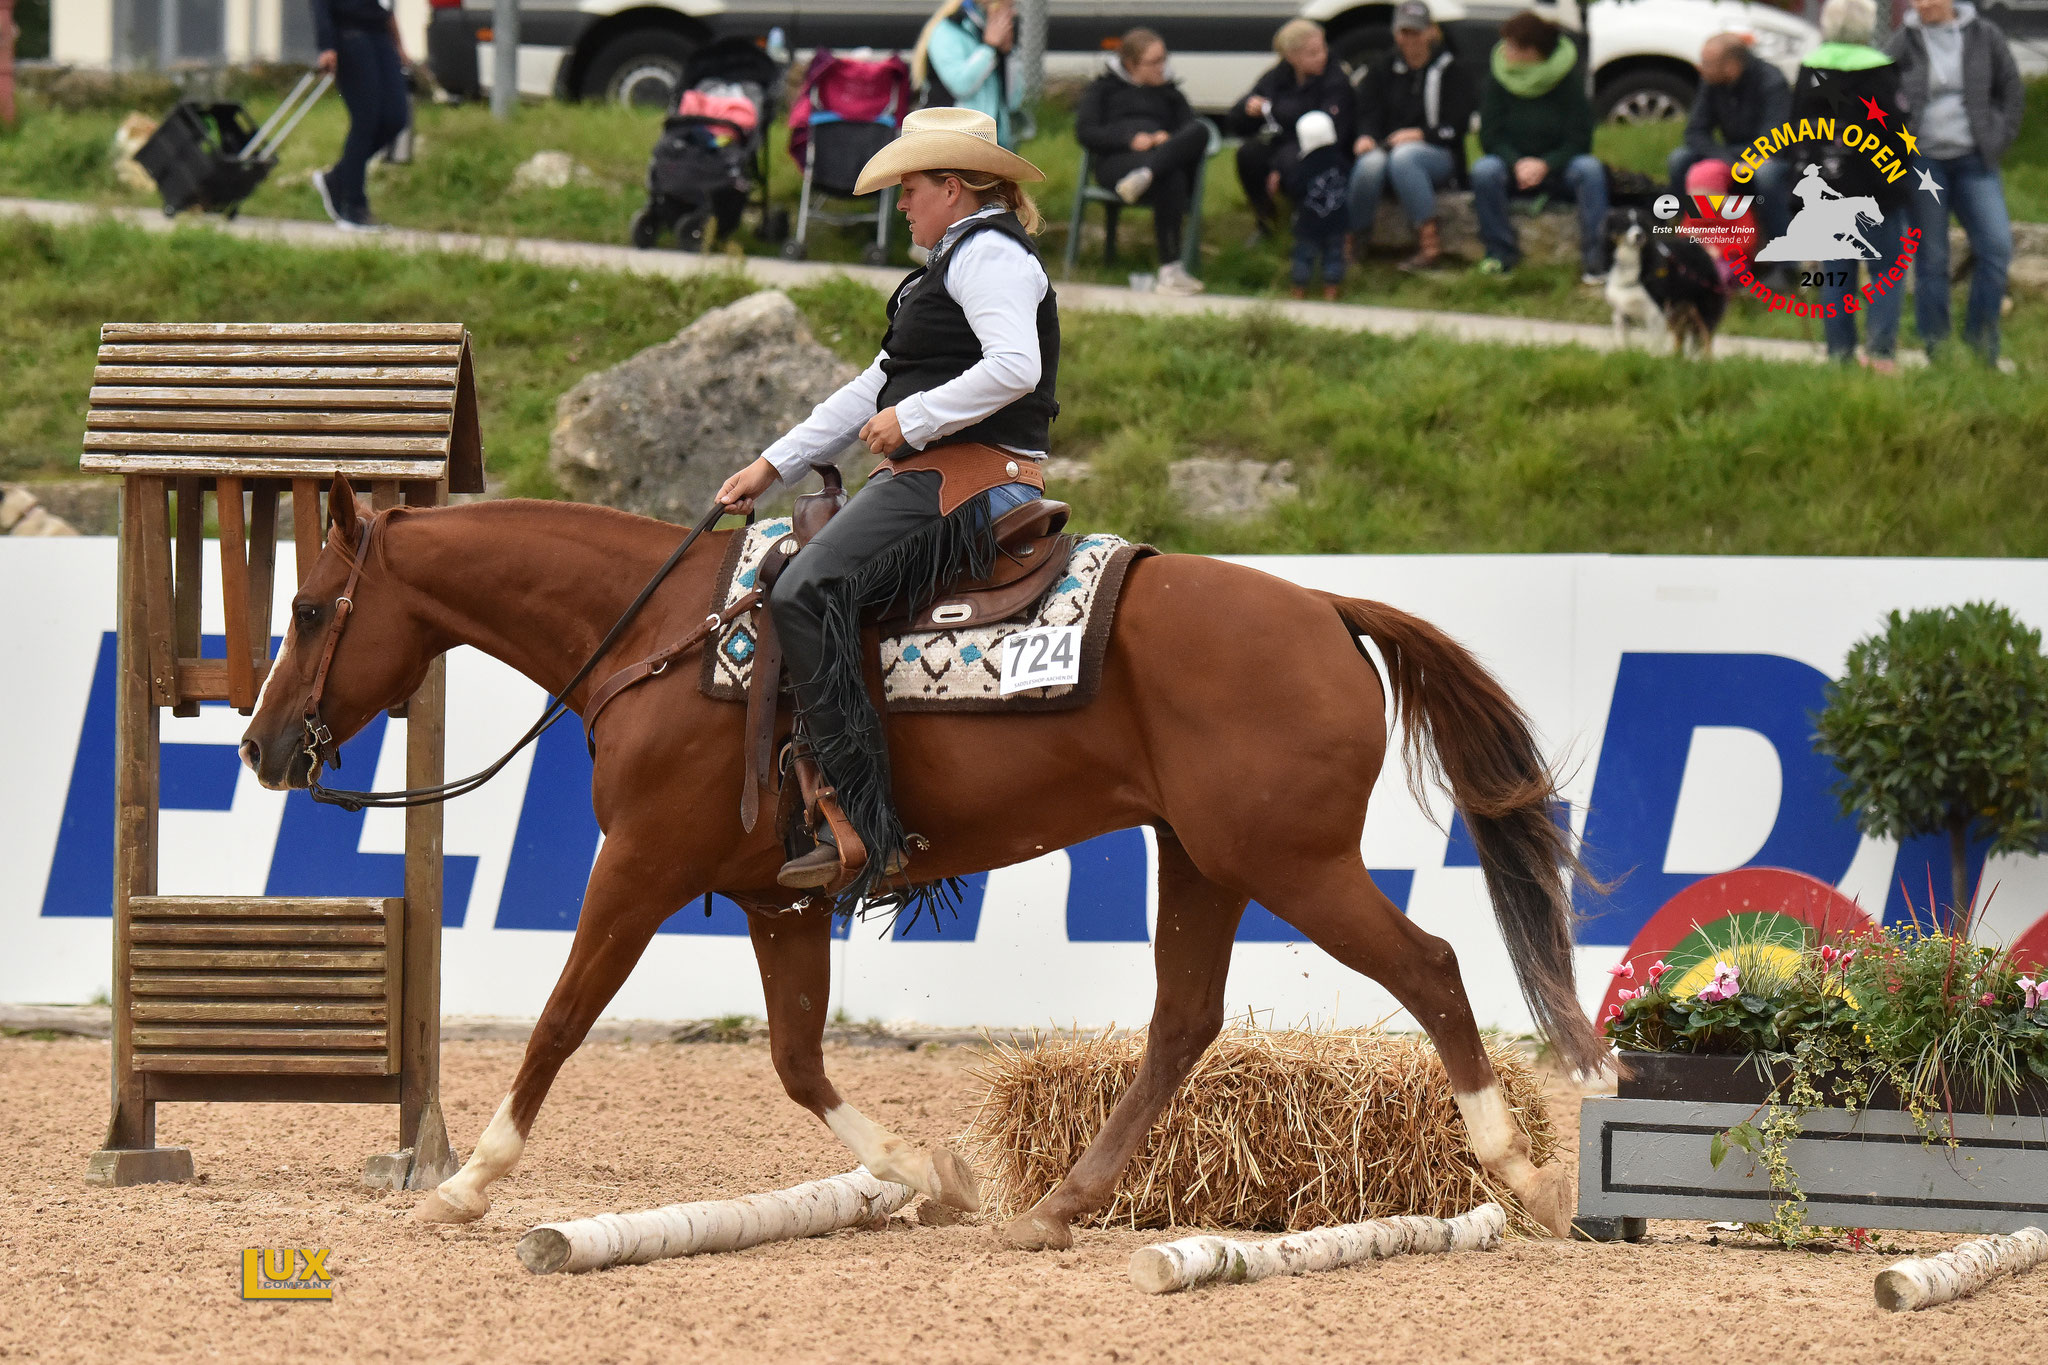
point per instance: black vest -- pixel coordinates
(930, 343)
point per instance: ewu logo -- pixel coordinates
(1707, 207)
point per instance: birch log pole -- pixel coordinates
(809, 1210)
(1192, 1261)
(1929, 1280)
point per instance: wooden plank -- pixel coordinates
(434, 376)
(186, 1087)
(276, 353)
(117, 396)
(234, 592)
(226, 932)
(202, 680)
(372, 908)
(258, 1012)
(191, 581)
(280, 331)
(227, 443)
(229, 959)
(304, 1038)
(155, 619)
(306, 535)
(262, 576)
(275, 1063)
(297, 987)
(282, 466)
(251, 419)
(132, 1122)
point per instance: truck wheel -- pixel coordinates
(1644, 97)
(642, 69)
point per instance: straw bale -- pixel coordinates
(1275, 1130)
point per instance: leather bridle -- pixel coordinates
(318, 735)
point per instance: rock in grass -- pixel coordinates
(1223, 488)
(658, 433)
(550, 171)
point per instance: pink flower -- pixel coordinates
(1658, 970)
(1627, 994)
(1987, 1000)
(1828, 954)
(1726, 985)
(1613, 1013)
(1848, 957)
(2037, 991)
(1626, 971)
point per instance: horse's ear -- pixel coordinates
(341, 510)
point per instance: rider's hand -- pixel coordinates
(883, 433)
(738, 492)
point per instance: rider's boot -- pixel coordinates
(838, 855)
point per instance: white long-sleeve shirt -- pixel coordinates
(998, 285)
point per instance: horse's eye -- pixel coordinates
(305, 616)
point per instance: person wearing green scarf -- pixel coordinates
(1536, 128)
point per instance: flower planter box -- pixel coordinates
(1644, 1154)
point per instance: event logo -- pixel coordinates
(287, 1273)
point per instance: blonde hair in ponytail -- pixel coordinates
(994, 189)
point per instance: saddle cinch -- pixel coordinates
(1032, 556)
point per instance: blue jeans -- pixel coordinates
(1308, 249)
(1004, 496)
(379, 104)
(1584, 182)
(1417, 170)
(1975, 194)
(1881, 330)
(1772, 187)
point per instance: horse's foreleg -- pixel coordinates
(794, 953)
(619, 917)
(1191, 958)
(1352, 920)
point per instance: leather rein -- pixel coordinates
(319, 737)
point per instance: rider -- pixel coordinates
(961, 400)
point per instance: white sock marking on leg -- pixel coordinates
(886, 1156)
(497, 1152)
(1487, 1125)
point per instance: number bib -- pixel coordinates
(1049, 656)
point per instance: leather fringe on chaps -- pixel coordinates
(855, 758)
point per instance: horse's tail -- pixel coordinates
(1460, 727)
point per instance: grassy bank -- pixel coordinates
(1412, 445)
(462, 176)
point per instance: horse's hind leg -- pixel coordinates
(1337, 906)
(622, 908)
(1191, 957)
(794, 954)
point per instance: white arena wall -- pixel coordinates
(1675, 692)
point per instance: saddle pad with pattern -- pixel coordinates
(950, 670)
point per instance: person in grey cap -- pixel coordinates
(1414, 108)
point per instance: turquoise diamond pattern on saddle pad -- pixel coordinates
(929, 667)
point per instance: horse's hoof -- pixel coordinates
(959, 1187)
(439, 1208)
(1035, 1232)
(1551, 1199)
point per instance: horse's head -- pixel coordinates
(351, 650)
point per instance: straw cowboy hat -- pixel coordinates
(944, 139)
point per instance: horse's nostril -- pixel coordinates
(252, 755)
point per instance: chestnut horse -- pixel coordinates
(1238, 715)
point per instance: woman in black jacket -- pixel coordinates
(358, 44)
(1305, 79)
(1146, 144)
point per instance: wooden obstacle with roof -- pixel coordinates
(263, 998)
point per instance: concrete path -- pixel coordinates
(776, 273)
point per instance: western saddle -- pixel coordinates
(1032, 556)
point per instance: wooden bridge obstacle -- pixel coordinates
(263, 998)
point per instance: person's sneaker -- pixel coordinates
(359, 222)
(1331, 293)
(1491, 265)
(1593, 278)
(327, 199)
(1132, 187)
(1174, 279)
